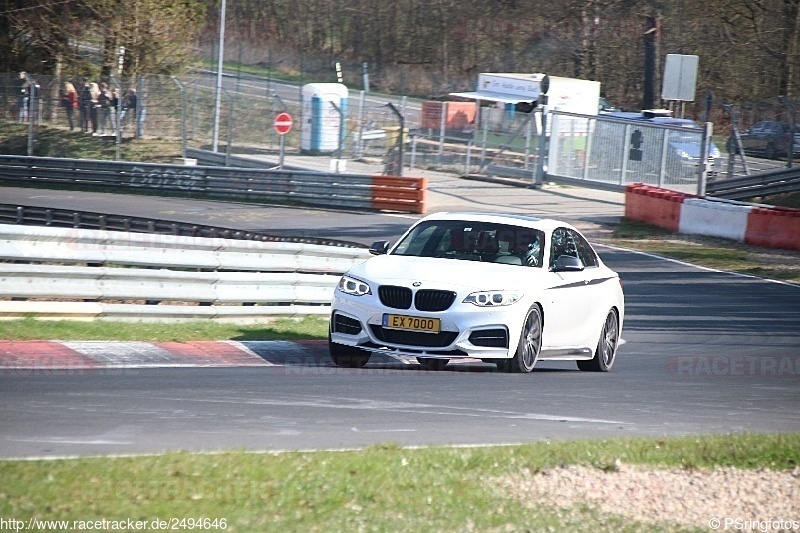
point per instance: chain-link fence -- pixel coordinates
(456, 136)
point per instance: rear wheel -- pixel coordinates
(529, 345)
(606, 350)
(347, 356)
(432, 364)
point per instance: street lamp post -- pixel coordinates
(220, 56)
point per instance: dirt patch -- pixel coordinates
(707, 498)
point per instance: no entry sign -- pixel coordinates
(283, 123)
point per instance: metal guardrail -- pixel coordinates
(70, 218)
(243, 184)
(762, 184)
(93, 273)
(209, 158)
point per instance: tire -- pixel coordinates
(432, 364)
(502, 365)
(529, 345)
(606, 351)
(347, 356)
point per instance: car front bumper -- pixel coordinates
(466, 330)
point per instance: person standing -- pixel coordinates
(69, 101)
(23, 97)
(85, 103)
(94, 108)
(129, 103)
(104, 108)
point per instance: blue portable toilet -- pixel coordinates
(323, 128)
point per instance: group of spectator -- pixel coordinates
(97, 106)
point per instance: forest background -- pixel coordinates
(748, 49)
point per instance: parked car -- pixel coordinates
(685, 147)
(769, 138)
(506, 289)
(684, 142)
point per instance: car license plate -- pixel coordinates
(411, 323)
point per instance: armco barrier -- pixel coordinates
(774, 228)
(714, 219)
(241, 184)
(115, 275)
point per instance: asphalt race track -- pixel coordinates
(704, 352)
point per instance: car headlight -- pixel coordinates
(353, 286)
(493, 298)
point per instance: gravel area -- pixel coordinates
(721, 498)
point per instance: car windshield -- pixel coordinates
(474, 241)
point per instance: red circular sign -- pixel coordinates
(283, 123)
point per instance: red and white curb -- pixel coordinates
(97, 355)
(27, 357)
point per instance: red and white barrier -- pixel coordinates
(774, 228)
(714, 219)
(762, 226)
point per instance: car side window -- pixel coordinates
(565, 241)
(562, 242)
(585, 251)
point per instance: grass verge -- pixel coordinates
(58, 142)
(287, 329)
(381, 488)
(709, 252)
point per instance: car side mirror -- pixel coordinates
(380, 247)
(568, 263)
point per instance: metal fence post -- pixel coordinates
(400, 139)
(704, 149)
(789, 104)
(182, 89)
(442, 129)
(33, 94)
(341, 133)
(728, 108)
(118, 117)
(229, 138)
(538, 176)
(141, 110)
(358, 149)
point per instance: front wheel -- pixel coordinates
(529, 345)
(606, 350)
(347, 356)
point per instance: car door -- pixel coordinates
(750, 138)
(570, 294)
(761, 137)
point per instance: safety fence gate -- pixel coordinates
(618, 152)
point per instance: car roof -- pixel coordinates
(543, 224)
(682, 122)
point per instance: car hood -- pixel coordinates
(692, 148)
(451, 274)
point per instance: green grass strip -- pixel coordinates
(381, 488)
(285, 329)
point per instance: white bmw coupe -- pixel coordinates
(506, 289)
